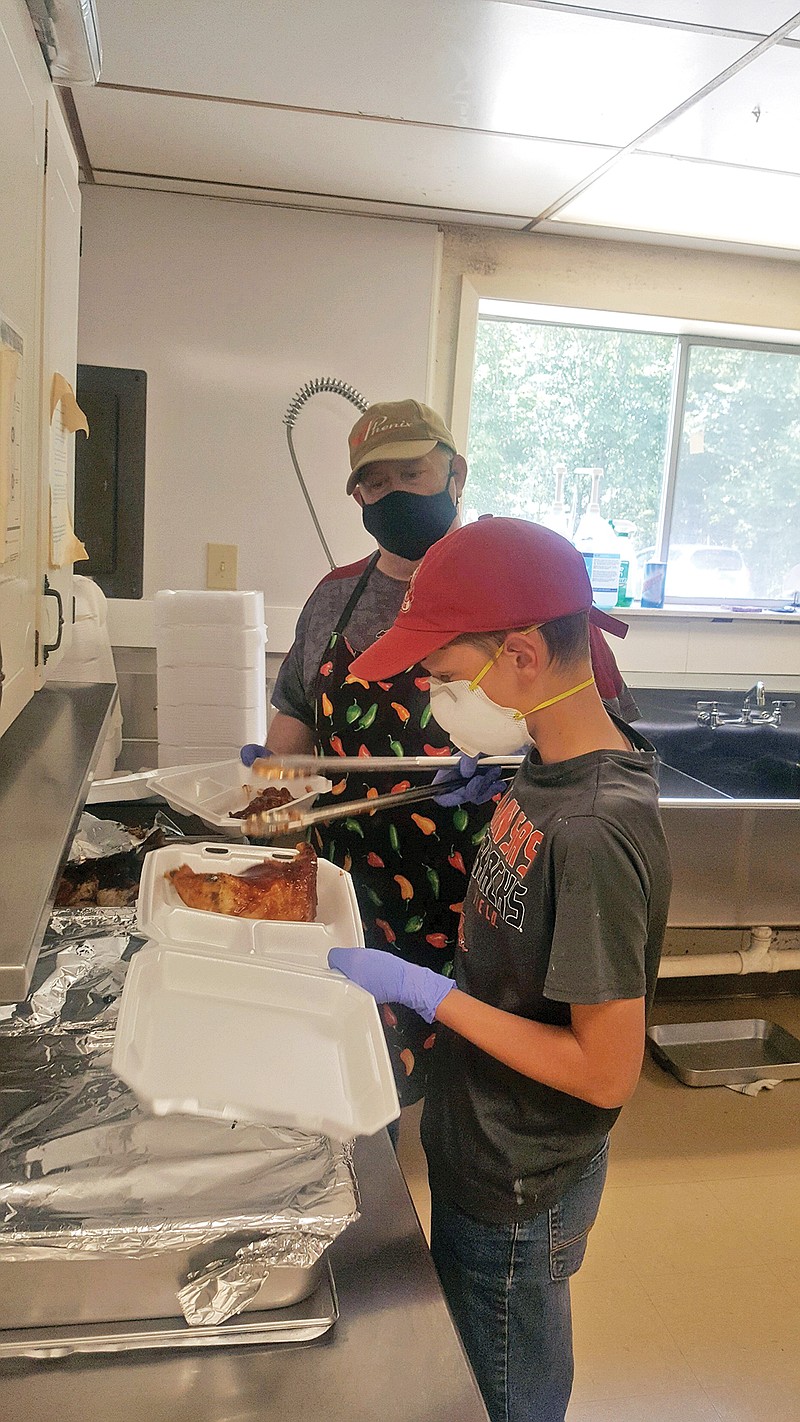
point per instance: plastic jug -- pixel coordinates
(597, 541)
(558, 516)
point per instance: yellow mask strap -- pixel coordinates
(476, 680)
(562, 696)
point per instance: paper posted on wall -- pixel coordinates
(10, 448)
(66, 416)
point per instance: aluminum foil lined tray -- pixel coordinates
(87, 1175)
(300, 1322)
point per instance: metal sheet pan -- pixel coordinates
(726, 1053)
(300, 1323)
(84, 1289)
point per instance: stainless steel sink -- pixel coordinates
(735, 863)
(747, 762)
(731, 814)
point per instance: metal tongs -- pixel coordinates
(286, 819)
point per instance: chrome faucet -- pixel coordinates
(708, 714)
(759, 692)
(761, 716)
(754, 711)
(778, 707)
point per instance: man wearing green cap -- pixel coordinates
(409, 868)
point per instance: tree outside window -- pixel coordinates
(546, 394)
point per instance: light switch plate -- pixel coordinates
(221, 566)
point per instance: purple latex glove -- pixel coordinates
(251, 752)
(390, 979)
(478, 785)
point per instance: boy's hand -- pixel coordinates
(390, 979)
(478, 787)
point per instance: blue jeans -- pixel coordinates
(508, 1291)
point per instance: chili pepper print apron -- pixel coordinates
(410, 867)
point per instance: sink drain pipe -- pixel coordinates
(758, 957)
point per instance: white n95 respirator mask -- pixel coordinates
(478, 725)
(474, 723)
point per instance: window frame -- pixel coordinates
(475, 306)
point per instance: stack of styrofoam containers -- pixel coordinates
(211, 662)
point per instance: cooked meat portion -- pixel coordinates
(276, 889)
(268, 799)
(112, 882)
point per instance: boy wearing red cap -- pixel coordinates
(541, 1032)
(407, 478)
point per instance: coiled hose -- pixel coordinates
(320, 385)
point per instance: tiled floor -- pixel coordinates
(688, 1306)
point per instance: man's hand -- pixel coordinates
(250, 753)
(478, 786)
(390, 979)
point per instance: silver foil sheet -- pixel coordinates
(95, 838)
(85, 1171)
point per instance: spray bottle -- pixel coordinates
(557, 517)
(624, 530)
(597, 541)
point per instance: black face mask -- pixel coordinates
(409, 524)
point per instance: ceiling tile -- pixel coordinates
(469, 63)
(443, 169)
(755, 16)
(361, 207)
(684, 198)
(753, 118)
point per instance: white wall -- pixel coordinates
(230, 308)
(712, 652)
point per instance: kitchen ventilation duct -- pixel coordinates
(69, 36)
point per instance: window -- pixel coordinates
(698, 437)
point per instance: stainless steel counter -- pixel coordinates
(46, 759)
(394, 1355)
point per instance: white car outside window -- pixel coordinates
(700, 570)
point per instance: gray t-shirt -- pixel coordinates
(295, 686)
(567, 904)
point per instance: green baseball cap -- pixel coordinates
(395, 429)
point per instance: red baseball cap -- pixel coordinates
(493, 574)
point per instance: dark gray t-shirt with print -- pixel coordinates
(567, 904)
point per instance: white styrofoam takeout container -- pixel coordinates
(208, 608)
(212, 790)
(203, 646)
(162, 915)
(195, 723)
(211, 686)
(246, 1039)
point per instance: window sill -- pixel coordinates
(706, 614)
